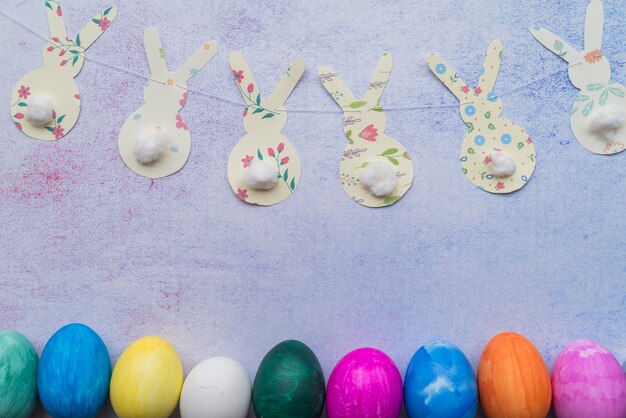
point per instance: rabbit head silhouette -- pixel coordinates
(45, 104)
(375, 169)
(601, 102)
(264, 167)
(155, 140)
(497, 155)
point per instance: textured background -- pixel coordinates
(85, 239)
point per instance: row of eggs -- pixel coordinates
(73, 378)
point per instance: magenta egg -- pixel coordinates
(365, 383)
(588, 381)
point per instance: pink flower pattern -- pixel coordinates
(180, 123)
(247, 160)
(57, 131)
(104, 23)
(238, 76)
(369, 133)
(183, 101)
(242, 194)
(24, 92)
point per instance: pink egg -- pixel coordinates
(365, 383)
(587, 381)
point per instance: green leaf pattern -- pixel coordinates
(602, 92)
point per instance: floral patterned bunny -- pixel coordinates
(590, 71)
(364, 123)
(264, 149)
(51, 90)
(489, 139)
(164, 96)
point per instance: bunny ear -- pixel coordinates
(491, 66)
(55, 20)
(243, 75)
(335, 87)
(594, 23)
(286, 85)
(555, 44)
(92, 31)
(379, 79)
(447, 75)
(196, 62)
(155, 54)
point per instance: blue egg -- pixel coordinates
(440, 383)
(74, 373)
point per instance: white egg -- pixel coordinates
(217, 387)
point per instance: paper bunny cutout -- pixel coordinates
(590, 71)
(164, 96)
(364, 123)
(488, 135)
(54, 82)
(263, 144)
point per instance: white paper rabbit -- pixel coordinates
(45, 104)
(264, 167)
(155, 141)
(497, 155)
(598, 116)
(375, 169)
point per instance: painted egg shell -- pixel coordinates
(440, 383)
(18, 375)
(217, 387)
(74, 373)
(513, 381)
(146, 380)
(365, 383)
(289, 383)
(588, 382)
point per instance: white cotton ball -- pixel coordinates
(260, 176)
(605, 121)
(39, 111)
(378, 178)
(501, 164)
(149, 146)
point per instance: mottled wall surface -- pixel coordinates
(85, 239)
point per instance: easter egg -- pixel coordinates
(588, 381)
(513, 381)
(217, 387)
(146, 380)
(74, 373)
(440, 383)
(289, 383)
(365, 383)
(18, 375)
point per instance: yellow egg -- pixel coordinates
(147, 380)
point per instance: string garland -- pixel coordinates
(311, 111)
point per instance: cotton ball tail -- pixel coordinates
(149, 146)
(605, 121)
(378, 178)
(39, 112)
(260, 176)
(500, 163)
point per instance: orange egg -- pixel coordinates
(513, 381)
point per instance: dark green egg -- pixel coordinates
(289, 383)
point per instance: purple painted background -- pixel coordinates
(85, 239)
